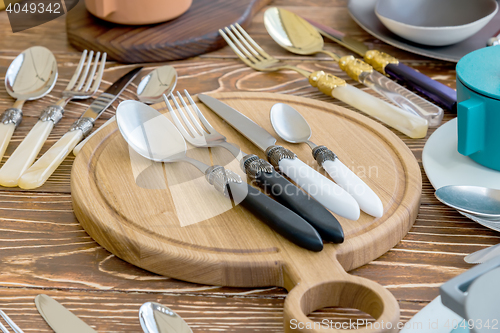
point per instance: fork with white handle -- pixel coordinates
(9, 322)
(83, 84)
(255, 57)
(257, 169)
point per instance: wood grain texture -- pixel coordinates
(141, 221)
(43, 249)
(193, 33)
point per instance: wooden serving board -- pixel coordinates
(194, 32)
(145, 213)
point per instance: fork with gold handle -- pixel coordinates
(255, 57)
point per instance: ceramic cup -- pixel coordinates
(475, 296)
(137, 12)
(478, 108)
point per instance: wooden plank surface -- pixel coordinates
(43, 249)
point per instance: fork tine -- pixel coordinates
(255, 45)
(236, 40)
(235, 48)
(200, 115)
(10, 323)
(190, 114)
(86, 71)
(187, 123)
(78, 69)
(177, 121)
(92, 72)
(244, 40)
(98, 77)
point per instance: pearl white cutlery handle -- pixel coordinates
(405, 122)
(81, 144)
(39, 172)
(368, 201)
(6, 131)
(25, 153)
(320, 188)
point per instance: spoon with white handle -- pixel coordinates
(291, 126)
(150, 90)
(156, 318)
(483, 255)
(31, 75)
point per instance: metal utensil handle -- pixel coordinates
(434, 90)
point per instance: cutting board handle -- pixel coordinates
(332, 286)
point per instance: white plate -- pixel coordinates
(444, 165)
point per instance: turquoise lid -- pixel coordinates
(480, 71)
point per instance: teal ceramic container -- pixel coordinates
(478, 108)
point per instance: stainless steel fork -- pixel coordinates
(255, 57)
(9, 322)
(84, 83)
(197, 135)
(260, 171)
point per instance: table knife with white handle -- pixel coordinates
(60, 319)
(39, 172)
(318, 186)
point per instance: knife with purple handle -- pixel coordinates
(386, 64)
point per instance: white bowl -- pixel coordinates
(435, 22)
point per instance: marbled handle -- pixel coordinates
(433, 89)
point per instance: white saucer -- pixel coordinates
(444, 165)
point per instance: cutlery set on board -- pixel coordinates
(153, 186)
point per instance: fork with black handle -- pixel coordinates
(258, 169)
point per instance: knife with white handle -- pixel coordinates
(318, 186)
(483, 255)
(60, 319)
(39, 172)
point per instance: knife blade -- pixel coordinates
(318, 186)
(39, 172)
(60, 319)
(386, 64)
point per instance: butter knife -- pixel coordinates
(318, 186)
(60, 319)
(388, 65)
(39, 172)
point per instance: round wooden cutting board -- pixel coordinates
(168, 220)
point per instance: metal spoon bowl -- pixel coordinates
(290, 125)
(477, 200)
(160, 81)
(150, 133)
(32, 74)
(156, 318)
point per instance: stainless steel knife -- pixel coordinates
(318, 186)
(39, 172)
(60, 319)
(386, 64)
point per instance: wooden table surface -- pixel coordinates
(43, 249)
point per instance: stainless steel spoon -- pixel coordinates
(476, 200)
(31, 75)
(156, 318)
(298, 36)
(150, 90)
(292, 127)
